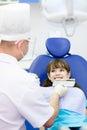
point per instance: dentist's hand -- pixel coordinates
(60, 90)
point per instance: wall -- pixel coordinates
(41, 30)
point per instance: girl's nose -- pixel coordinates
(57, 73)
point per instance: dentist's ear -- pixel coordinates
(20, 47)
(19, 43)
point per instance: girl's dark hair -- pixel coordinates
(57, 63)
(47, 83)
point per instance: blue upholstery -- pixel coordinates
(29, 127)
(59, 48)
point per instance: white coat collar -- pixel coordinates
(8, 59)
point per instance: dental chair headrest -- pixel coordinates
(58, 47)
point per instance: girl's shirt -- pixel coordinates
(72, 108)
(74, 100)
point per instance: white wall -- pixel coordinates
(41, 30)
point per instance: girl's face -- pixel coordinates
(58, 74)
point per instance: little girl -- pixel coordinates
(72, 105)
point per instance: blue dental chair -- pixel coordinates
(58, 48)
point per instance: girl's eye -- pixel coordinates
(52, 70)
(62, 70)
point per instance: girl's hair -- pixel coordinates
(57, 63)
